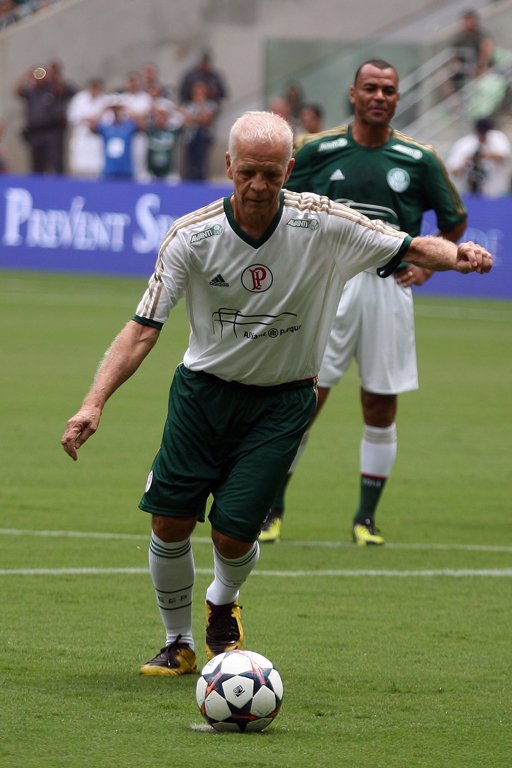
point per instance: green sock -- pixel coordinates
(371, 489)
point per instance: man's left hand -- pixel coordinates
(472, 257)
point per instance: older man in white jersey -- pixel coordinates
(262, 271)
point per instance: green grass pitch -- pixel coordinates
(397, 657)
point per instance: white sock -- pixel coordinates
(172, 569)
(229, 575)
(378, 450)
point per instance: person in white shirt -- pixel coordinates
(480, 161)
(85, 152)
(137, 103)
(262, 272)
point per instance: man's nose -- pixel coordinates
(258, 181)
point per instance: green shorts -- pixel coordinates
(233, 441)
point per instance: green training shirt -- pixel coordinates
(395, 182)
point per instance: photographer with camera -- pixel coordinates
(480, 161)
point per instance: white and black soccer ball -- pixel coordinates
(239, 691)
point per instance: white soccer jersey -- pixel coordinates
(260, 311)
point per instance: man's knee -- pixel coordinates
(228, 547)
(171, 529)
(378, 410)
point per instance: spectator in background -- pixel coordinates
(294, 95)
(480, 161)
(311, 118)
(472, 48)
(162, 134)
(203, 72)
(85, 152)
(280, 106)
(117, 129)
(46, 95)
(137, 103)
(198, 135)
(150, 81)
(134, 97)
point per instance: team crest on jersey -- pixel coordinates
(217, 229)
(398, 179)
(303, 223)
(257, 278)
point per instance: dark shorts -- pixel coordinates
(233, 441)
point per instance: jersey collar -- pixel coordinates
(228, 210)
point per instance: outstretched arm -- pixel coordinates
(121, 360)
(440, 255)
(413, 275)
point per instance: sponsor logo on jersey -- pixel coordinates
(263, 325)
(337, 175)
(328, 146)
(417, 154)
(272, 333)
(398, 179)
(303, 223)
(219, 282)
(217, 229)
(257, 278)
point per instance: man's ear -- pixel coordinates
(229, 169)
(289, 169)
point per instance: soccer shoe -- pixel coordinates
(224, 630)
(365, 534)
(173, 660)
(271, 529)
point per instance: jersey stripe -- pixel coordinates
(155, 285)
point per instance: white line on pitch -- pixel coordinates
(456, 573)
(500, 315)
(291, 543)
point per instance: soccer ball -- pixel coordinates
(239, 691)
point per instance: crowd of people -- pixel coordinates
(139, 130)
(146, 130)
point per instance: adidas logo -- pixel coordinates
(219, 282)
(337, 175)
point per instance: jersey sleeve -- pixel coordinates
(442, 196)
(396, 261)
(167, 284)
(360, 243)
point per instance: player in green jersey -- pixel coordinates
(378, 171)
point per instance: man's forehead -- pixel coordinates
(261, 152)
(371, 74)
